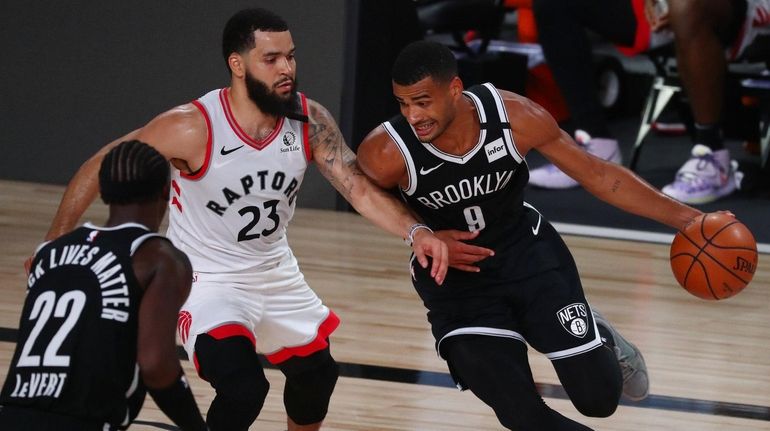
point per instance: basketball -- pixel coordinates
(714, 257)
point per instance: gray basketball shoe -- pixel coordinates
(636, 384)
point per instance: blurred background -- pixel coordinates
(76, 75)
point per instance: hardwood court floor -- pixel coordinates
(709, 361)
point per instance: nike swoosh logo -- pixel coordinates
(536, 229)
(225, 152)
(424, 171)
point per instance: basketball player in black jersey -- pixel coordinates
(458, 158)
(97, 330)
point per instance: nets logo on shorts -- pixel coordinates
(574, 318)
(183, 325)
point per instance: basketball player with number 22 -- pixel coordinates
(457, 157)
(239, 157)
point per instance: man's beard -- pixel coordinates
(269, 101)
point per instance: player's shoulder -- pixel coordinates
(521, 109)
(159, 253)
(377, 146)
(178, 133)
(187, 114)
(514, 100)
(317, 112)
(378, 137)
(380, 158)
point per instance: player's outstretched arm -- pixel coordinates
(337, 163)
(534, 128)
(178, 134)
(166, 274)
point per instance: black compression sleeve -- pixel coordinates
(178, 403)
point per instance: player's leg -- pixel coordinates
(592, 381)
(616, 356)
(294, 335)
(497, 371)
(310, 381)
(559, 322)
(636, 383)
(233, 369)
(215, 328)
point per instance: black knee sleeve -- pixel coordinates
(232, 367)
(592, 380)
(309, 385)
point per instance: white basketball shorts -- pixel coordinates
(274, 308)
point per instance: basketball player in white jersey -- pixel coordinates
(240, 154)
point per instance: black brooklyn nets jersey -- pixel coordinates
(76, 351)
(480, 190)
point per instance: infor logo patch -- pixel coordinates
(495, 150)
(574, 319)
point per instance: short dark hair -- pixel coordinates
(423, 59)
(132, 172)
(238, 35)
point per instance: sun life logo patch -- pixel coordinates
(290, 142)
(574, 319)
(289, 138)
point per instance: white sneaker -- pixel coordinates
(551, 177)
(705, 177)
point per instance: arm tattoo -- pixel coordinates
(615, 186)
(334, 158)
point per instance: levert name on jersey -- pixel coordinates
(39, 385)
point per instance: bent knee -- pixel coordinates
(597, 406)
(309, 386)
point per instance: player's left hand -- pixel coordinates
(427, 244)
(464, 256)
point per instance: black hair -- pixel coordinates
(238, 35)
(132, 172)
(423, 59)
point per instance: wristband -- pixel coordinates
(410, 236)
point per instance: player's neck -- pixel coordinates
(249, 117)
(131, 213)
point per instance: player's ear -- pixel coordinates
(235, 61)
(456, 86)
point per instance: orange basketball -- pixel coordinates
(714, 257)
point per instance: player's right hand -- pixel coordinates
(463, 256)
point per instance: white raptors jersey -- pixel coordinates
(232, 214)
